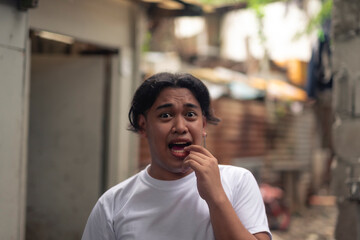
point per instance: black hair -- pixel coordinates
(150, 89)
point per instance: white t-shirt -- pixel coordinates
(144, 208)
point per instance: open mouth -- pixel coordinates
(177, 148)
(179, 145)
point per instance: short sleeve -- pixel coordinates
(249, 205)
(99, 225)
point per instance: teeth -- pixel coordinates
(179, 144)
(178, 151)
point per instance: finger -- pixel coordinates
(205, 160)
(200, 154)
(194, 165)
(198, 148)
(198, 157)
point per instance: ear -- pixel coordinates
(204, 125)
(142, 125)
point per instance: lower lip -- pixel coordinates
(179, 153)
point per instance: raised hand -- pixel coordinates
(205, 166)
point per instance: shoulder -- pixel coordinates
(115, 197)
(124, 185)
(237, 178)
(229, 171)
(101, 219)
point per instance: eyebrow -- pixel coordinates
(166, 105)
(191, 105)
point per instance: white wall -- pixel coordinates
(66, 140)
(282, 21)
(98, 21)
(108, 23)
(13, 120)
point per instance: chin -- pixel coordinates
(184, 170)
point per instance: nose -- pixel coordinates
(179, 126)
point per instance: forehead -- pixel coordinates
(176, 94)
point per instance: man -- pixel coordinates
(183, 194)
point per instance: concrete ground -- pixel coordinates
(312, 223)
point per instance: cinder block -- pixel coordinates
(345, 18)
(342, 93)
(347, 139)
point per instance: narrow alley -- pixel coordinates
(314, 223)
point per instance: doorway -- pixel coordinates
(68, 134)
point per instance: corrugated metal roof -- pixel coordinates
(191, 7)
(172, 4)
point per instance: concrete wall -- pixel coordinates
(13, 119)
(346, 60)
(115, 24)
(101, 22)
(66, 140)
(109, 24)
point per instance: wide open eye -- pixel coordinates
(165, 115)
(191, 114)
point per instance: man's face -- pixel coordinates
(174, 121)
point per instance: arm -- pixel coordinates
(225, 222)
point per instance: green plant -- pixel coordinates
(258, 7)
(317, 21)
(146, 45)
